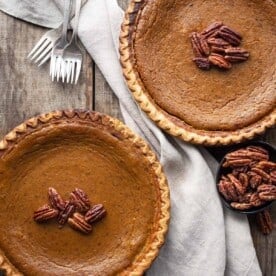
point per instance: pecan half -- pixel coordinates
(241, 206)
(266, 166)
(199, 45)
(243, 169)
(255, 180)
(66, 213)
(236, 162)
(78, 223)
(219, 61)
(265, 176)
(273, 177)
(224, 190)
(96, 213)
(202, 63)
(237, 154)
(217, 49)
(258, 149)
(45, 213)
(245, 153)
(267, 192)
(230, 35)
(219, 42)
(255, 200)
(80, 199)
(235, 54)
(212, 29)
(55, 199)
(244, 180)
(227, 189)
(246, 197)
(265, 222)
(238, 185)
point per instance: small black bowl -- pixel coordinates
(223, 171)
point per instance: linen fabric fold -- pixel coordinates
(203, 238)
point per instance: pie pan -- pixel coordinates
(100, 155)
(204, 107)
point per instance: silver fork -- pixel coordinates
(72, 55)
(57, 65)
(43, 48)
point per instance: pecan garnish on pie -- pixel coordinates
(65, 211)
(212, 29)
(45, 213)
(80, 199)
(229, 35)
(236, 54)
(220, 61)
(78, 223)
(199, 45)
(96, 213)
(202, 63)
(55, 199)
(217, 44)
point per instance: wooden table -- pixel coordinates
(27, 91)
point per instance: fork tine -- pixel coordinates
(61, 68)
(45, 52)
(66, 63)
(68, 72)
(37, 45)
(78, 65)
(58, 68)
(64, 69)
(73, 71)
(40, 49)
(45, 59)
(53, 67)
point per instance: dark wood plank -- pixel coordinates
(27, 90)
(105, 100)
(266, 245)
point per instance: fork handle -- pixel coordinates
(72, 15)
(66, 17)
(77, 16)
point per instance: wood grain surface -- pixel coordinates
(27, 91)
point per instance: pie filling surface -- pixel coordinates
(110, 170)
(216, 99)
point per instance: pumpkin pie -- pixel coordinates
(213, 107)
(100, 155)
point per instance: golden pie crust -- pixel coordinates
(190, 103)
(112, 165)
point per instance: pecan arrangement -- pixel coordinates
(78, 211)
(250, 181)
(217, 45)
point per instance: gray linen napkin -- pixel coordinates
(203, 239)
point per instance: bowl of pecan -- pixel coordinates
(246, 178)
